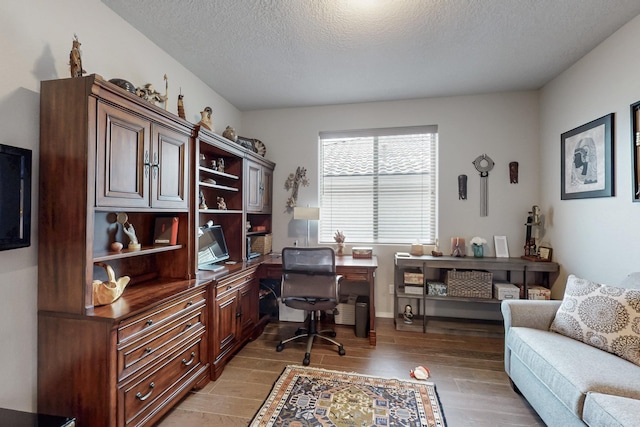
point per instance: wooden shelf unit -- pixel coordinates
(432, 268)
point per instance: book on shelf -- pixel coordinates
(166, 231)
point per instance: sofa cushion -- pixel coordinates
(606, 317)
(604, 410)
(570, 368)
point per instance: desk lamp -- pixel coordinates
(308, 214)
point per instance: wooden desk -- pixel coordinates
(352, 270)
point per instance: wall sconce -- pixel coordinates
(308, 214)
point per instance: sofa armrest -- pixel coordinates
(537, 314)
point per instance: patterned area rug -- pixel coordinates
(311, 397)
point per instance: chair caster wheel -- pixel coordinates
(279, 347)
(341, 351)
(307, 359)
(332, 334)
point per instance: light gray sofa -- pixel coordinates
(567, 382)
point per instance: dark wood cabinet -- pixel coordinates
(140, 164)
(259, 186)
(104, 151)
(235, 315)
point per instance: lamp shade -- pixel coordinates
(306, 213)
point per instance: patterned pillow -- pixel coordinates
(603, 316)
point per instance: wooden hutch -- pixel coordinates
(105, 151)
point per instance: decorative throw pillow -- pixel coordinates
(603, 316)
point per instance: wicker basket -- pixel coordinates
(261, 244)
(469, 284)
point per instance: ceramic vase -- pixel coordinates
(478, 251)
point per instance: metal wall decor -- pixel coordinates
(513, 172)
(462, 187)
(484, 165)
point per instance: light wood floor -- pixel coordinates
(467, 370)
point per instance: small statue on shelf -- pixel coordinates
(205, 119)
(131, 232)
(203, 201)
(75, 58)
(408, 314)
(181, 113)
(221, 165)
(221, 203)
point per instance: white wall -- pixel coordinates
(598, 238)
(35, 39)
(503, 125)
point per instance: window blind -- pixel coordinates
(379, 185)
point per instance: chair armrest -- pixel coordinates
(537, 314)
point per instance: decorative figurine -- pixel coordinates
(148, 93)
(221, 165)
(230, 134)
(408, 314)
(181, 113)
(131, 232)
(203, 201)
(75, 58)
(340, 239)
(221, 204)
(513, 172)
(214, 165)
(205, 120)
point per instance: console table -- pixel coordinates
(352, 270)
(430, 264)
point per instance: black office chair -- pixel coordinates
(310, 283)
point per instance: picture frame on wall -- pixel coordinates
(635, 150)
(586, 165)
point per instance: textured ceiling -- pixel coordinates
(261, 54)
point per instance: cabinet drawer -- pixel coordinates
(155, 317)
(141, 353)
(143, 398)
(229, 284)
(355, 275)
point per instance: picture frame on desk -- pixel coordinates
(545, 253)
(502, 248)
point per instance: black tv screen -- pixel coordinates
(15, 197)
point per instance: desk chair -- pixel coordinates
(310, 283)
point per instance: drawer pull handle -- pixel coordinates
(189, 325)
(149, 322)
(238, 314)
(189, 303)
(142, 398)
(148, 349)
(229, 287)
(193, 357)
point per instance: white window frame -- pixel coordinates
(396, 207)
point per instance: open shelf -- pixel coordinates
(218, 186)
(215, 172)
(127, 253)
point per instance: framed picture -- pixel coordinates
(502, 249)
(586, 166)
(635, 150)
(545, 253)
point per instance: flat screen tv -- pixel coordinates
(15, 197)
(212, 248)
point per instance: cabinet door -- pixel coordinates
(249, 302)
(169, 169)
(226, 324)
(267, 189)
(123, 152)
(254, 193)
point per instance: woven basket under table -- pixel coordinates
(469, 284)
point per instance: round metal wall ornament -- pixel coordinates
(484, 164)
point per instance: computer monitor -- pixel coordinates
(212, 248)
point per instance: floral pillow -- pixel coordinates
(603, 316)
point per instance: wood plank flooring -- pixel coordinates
(467, 370)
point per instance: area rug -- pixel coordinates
(312, 397)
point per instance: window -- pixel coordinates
(379, 185)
